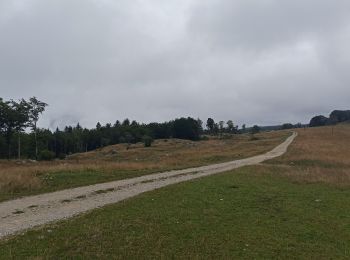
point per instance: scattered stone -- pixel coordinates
(33, 161)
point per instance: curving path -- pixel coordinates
(22, 214)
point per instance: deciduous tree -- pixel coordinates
(36, 108)
(210, 125)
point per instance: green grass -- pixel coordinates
(254, 213)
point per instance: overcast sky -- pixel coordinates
(253, 61)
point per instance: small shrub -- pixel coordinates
(204, 138)
(147, 140)
(62, 156)
(255, 129)
(287, 126)
(46, 155)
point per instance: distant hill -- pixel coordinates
(336, 117)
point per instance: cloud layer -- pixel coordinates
(251, 61)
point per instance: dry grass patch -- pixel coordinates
(16, 180)
(338, 177)
(318, 155)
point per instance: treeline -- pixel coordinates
(15, 118)
(18, 117)
(75, 139)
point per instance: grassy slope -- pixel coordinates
(106, 165)
(248, 214)
(275, 210)
(320, 155)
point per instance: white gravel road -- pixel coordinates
(24, 213)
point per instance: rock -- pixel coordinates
(33, 161)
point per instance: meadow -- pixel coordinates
(320, 155)
(293, 207)
(21, 178)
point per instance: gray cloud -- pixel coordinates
(266, 24)
(263, 61)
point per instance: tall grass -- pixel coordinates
(319, 155)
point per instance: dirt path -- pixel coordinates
(22, 214)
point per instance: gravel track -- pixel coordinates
(28, 212)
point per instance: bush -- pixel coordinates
(287, 126)
(46, 155)
(255, 129)
(62, 156)
(205, 138)
(147, 140)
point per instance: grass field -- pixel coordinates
(293, 207)
(320, 155)
(251, 214)
(117, 162)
